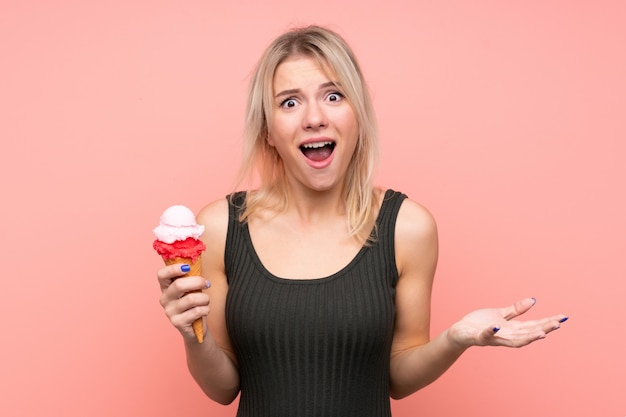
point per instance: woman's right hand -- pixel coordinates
(182, 298)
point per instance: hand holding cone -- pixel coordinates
(195, 270)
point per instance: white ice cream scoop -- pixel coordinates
(177, 223)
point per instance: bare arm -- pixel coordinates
(212, 363)
(416, 361)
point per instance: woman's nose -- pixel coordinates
(314, 116)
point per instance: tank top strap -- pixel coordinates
(385, 230)
(235, 237)
(389, 210)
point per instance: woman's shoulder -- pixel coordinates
(214, 218)
(412, 214)
(415, 224)
(416, 240)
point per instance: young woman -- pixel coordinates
(320, 283)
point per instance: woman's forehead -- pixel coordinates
(298, 70)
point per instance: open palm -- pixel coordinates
(497, 327)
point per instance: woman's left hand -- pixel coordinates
(496, 327)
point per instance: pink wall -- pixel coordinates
(506, 119)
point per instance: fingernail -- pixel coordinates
(496, 329)
(185, 268)
(208, 284)
(557, 327)
(563, 320)
(534, 300)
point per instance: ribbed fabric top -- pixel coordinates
(313, 347)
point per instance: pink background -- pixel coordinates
(506, 119)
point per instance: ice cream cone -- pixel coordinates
(178, 242)
(195, 270)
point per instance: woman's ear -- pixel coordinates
(269, 140)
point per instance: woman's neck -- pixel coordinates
(311, 206)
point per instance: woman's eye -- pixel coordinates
(288, 103)
(335, 96)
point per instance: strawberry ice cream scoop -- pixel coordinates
(189, 248)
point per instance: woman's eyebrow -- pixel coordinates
(297, 90)
(288, 92)
(328, 84)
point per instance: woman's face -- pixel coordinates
(314, 129)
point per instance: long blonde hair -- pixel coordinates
(332, 52)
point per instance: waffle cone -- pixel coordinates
(195, 270)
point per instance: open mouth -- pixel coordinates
(318, 151)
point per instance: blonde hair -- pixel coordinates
(334, 54)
